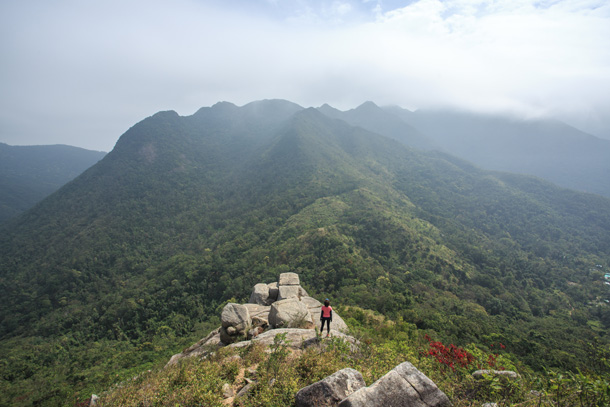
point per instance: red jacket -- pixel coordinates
(327, 312)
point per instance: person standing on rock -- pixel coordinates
(326, 315)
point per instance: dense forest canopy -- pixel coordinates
(128, 262)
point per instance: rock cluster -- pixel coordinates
(330, 390)
(277, 306)
(402, 386)
(281, 304)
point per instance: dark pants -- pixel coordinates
(327, 320)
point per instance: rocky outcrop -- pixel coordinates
(273, 306)
(288, 287)
(402, 386)
(329, 391)
(295, 338)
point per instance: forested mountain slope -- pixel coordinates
(30, 173)
(122, 266)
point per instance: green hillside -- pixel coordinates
(130, 262)
(30, 173)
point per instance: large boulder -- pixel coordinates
(289, 279)
(402, 386)
(236, 322)
(311, 302)
(260, 295)
(235, 315)
(329, 391)
(288, 291)
(290, 313)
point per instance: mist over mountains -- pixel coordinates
(122, 266)
(545, 148)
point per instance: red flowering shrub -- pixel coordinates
(450, 356)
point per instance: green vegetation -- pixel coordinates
(126, 264)
(384, 345)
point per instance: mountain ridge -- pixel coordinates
(371, 117)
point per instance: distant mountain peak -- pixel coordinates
(368, 105)
(166, 113)
(224, 104)
(273, 102)
(330, 111)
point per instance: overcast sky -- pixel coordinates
(81, 72)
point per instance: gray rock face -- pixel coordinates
(296, 338)
(288, 291)
(508, 374)
(205, 345)
(256, 310)
(290, 313)
(402, 386)
(235, 315)
(236, 323)
(311, 302)
(329, 391)
(260, 295)
(289, 279)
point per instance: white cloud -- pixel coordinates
(81, 73)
